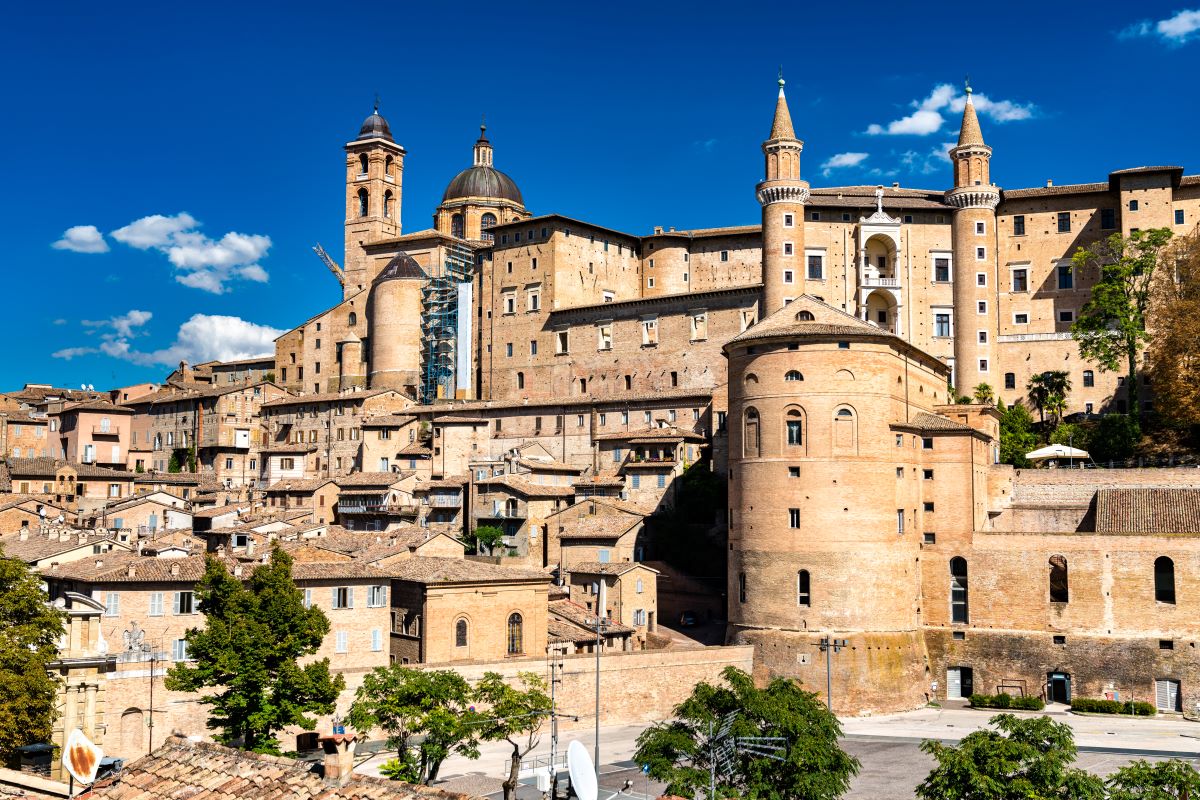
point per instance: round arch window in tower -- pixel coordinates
(363, 204)
(486, 223)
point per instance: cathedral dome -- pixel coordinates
(375, 127)
(483, 181)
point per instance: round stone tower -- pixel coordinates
(973, 228)
(394, 325)
(352, 366)
(782, 195)
(824, 490)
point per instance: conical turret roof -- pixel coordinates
(781, 126)
(969, 133)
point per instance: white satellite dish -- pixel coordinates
(582, 771)
(82, 758)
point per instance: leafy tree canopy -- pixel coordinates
(1022, 759)
(1175, 350)
(514, 715)
(1016, 435)
(29, 633)
(1165, 780)
(814, 766)
(434, 706)
(486, 536)
(249, 649)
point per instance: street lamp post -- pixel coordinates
(602, 624)
(830, 646)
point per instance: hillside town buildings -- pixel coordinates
(561, 380)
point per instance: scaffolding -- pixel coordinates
(440, 328)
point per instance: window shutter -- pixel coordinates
(350, 597)
(333, 601)
(176, 600)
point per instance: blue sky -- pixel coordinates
(193, 151)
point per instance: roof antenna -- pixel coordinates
(376, 111)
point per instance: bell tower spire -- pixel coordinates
(782, 195)
(973, 229)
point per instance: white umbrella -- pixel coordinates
(1057, 451)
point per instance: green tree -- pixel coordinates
(254, 635)
(814, 767)
(486, 536)
(1071, 435)
(1025, 759)
(434, 706)
(1016, 435)
(29, 633)
(1048, 392)
(985, 394)
(1115, 439)
(1111, 326)
(513, 715)
(1165, 780)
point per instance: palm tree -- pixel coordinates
(984, 394)
(1048, 392)
(1039, 393)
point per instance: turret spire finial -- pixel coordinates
(376, 111)
(482, 126)
(967, 85)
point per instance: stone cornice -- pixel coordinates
(974, 197)
(785, 193)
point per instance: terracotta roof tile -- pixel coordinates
(1148, 510)
(606, 567)
(432, 569)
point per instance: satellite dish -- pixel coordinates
(582, 771)
(82, 758)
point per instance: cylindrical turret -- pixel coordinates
(352, 367)
(395, 326)
(782, 195)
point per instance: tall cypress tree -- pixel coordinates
(249, 650)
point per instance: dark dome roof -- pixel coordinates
(401, 267)
(375, 127)
(481, 181)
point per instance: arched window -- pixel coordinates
(387, 166)
(750, 434)
(1059, 587)
(387, 204)
(516, 645)
(794, 425)
(750, 379)
(845, 412)
(793, 375)
(583, 385)
(1164, 580)
(805, 316)
(1089, 378)
(352, 320)
(485, 222)
(456, 226)
(520, 380)
(803, 588)
(362, 164)
(958, 590)
(460, 633)
(510, 507)
(363, 205)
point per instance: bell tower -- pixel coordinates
(782, 195)
(374, 173)
(973, 229)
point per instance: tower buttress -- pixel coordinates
(782, 195)
(973, 229)
(374, 176)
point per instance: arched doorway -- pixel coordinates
(881, 310)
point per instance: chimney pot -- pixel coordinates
(1049, 183)
(131, 571)
(175, 569)
(339, 757)
(99, 563)
(895, 184)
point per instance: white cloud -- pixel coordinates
(927, 116)
(200, 262)
(841, 160)
(1179, 29)
(82, 239)
(204, 337)
(927, 161)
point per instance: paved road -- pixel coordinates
(887, 746)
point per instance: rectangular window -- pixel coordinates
(981, 279)
(941, 269)
(1020, 319)
(981, 307)
(343, 597)
(650, 331)
(604, 336)
(929, 538)
(928, 508)
(927, 443)
(1066, 316)
(795, 433)
(533, 347)
(793, 472)
(1179, 216)
(342, 642)
(815, 216)
(941, 325)
(981, 254)
(376, 596)
(534, 301)
(793, 518)
(1010, 380)
(635, 481)
(156, 604)
(179, 650)
(788, 221)
(788, 249)
(900, 521)
(1020, 280)
(724, 255)
(1019, 225)
(184, 603)
(112, 604)
(983, 337)
(983, 365)
(376, 640)
(1064, 222)
(816, 268)
(980, 228)
(510, 303)
(1108, 218)
(1133, 205)
(1066, 279)
(662, 480)
(927, 474)
(562, 342)
(787, 276)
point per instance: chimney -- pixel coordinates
(99, 563)
(657, 229)
(131, 571)
(339, 757)
(24, 533)
(175, 568)
(1049, 183)
(249, 547)
(895, 184)
(237, 570)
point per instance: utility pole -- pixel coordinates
(602, 624)
(556, 666)
(830, 646)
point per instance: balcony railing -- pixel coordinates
(445, 501)
(111, 430)
(875, 281)
(394, 509)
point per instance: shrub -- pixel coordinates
(1005, 700)
(1091, 705)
